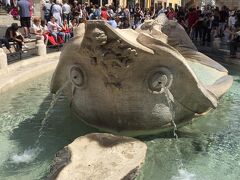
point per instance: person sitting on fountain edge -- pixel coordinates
(13, 35)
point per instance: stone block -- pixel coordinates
(99, 156)
(41, 48)
(3, 59)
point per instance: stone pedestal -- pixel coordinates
(41, 48)
(99, 156)
(3, 59)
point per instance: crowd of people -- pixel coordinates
(60, 18)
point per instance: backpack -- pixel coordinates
(50, 11)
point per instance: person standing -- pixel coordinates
(192, 18)
(235, 42)
(104, 15)
(128, 16)
(47, 10)
(171, 15)
(24, 7)
(138, 15)
(231, 24)
(215, 23)
(207, 28)
(66, 10)
(223, 20)
(57, 12)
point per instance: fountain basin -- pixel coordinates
(211, 141)
(134, 83)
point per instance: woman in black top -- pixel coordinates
(13, 35)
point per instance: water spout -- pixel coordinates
(55, 98)
(170, 101)
(31, 153)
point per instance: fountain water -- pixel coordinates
(54, 100)
(213, 141)
(31, 153)
(170, 101)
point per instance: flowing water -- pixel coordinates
(209, 148)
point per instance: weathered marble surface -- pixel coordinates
(99, 156)
(138, 82)
(3, 59)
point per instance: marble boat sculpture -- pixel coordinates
(138, 82)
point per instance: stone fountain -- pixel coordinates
(138, 82)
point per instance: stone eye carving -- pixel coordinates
(77, 76)
(159, 79)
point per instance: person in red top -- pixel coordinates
(104, 14)
(171, 14)
(66, 30)
(192, 17)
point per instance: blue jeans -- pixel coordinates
(56, 34)
(67, 37)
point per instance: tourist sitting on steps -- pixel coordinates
(36, 29)
(55, 30)
(13, 35)
(66, 30)
(72, 25)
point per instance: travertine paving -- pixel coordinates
(26, 69)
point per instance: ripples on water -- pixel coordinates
(27, 156)
(209, 148)
(27, 153)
